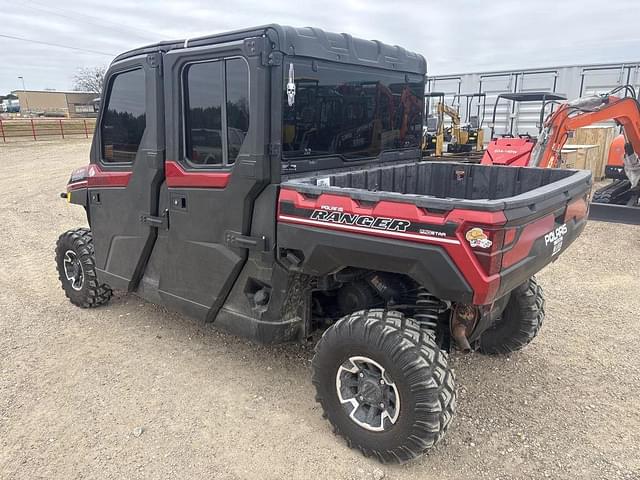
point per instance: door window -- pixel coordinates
(204, 99)
(124, 118)
(237, 83)
(216, 111)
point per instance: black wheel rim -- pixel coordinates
(367, 393)
(73, 270)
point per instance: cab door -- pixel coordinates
(216, 166)
(127, 169)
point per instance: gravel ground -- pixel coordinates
(132, 390)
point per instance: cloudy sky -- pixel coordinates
(455, 35)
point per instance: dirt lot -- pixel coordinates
(77, 386)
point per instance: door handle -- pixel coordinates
(178, 201)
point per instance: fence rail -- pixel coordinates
(41, 129)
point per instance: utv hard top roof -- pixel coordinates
(306, 42)
(533, 96)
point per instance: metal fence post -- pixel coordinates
(86, 133)
(2, 131)
(33, 130)
(61, 129)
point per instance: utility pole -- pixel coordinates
(24, 89)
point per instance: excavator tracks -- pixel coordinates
(618, 192)
(617, 203)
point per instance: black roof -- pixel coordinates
(307, 42)
(533, 96)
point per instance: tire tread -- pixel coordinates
(527, 307)
(81, 240)
(420, 358)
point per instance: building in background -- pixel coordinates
(56, 103)
(574, 81)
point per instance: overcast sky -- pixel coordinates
(454, 35)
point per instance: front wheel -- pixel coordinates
(77, 271)
(384, 384)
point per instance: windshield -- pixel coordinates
(352, 112)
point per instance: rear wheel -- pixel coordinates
(519, 323)
(384, 384)
(76, 269)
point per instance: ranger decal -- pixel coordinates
(367, 221)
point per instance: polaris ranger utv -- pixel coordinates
(270, 181)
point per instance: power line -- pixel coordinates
(91, 20)
(59, 45)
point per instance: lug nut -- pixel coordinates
(382, 381)
(361, 375)
(382, 406)
(360, 398)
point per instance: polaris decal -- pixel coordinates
(555, 238)
(367, 221)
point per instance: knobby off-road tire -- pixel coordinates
(77, 271)
(519, 323)
(410, 360)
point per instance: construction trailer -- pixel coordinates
(574, 81)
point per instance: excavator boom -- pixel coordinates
(618, 202)
(581, 113)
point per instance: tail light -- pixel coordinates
(577, 209)
(487, 244)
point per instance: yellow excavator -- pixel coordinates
(459, 138)
(435, 134)
(469, 135)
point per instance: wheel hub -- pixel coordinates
(367, 394)
(73, 270)
(370, 391)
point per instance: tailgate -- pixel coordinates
(536, 235)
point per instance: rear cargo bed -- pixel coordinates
(467, 233)
(445, 185)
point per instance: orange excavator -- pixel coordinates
(617, 202)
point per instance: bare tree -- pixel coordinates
(89, 79)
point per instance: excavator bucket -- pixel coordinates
(607, 212)
(619, 201)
